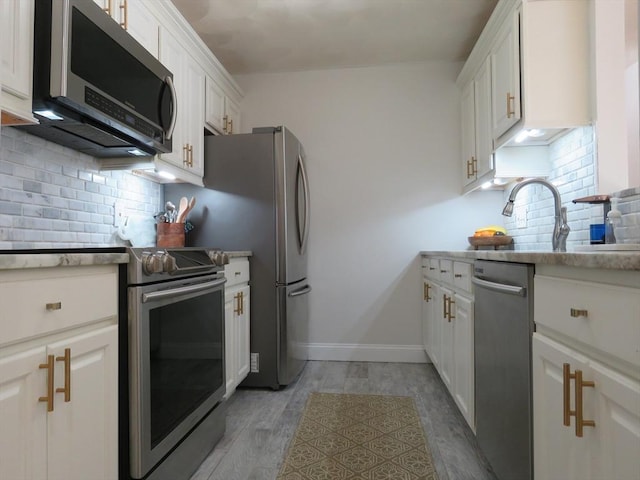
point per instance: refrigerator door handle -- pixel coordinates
(304, 234)
(301, 291)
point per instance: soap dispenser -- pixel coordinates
(597, 225)
(614, 220)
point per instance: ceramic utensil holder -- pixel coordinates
(170, 235)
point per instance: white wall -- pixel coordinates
(383, 160)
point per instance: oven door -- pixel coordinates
(176, 358)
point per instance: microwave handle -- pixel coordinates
(174, 101)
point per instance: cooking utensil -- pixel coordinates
(182, 210)
(170, 211)
(190, 205)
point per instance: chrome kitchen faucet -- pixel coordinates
(560, 229)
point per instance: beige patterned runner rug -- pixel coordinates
(348, 436)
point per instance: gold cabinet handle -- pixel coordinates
(50, 369)
(578, 413)
(510, 98)
(241, 303)
(124, 11)
(444, 306)
(575, 312)
(230, 126)
(236, 310)
(108, 7)
(472, 167)
(567, 413)
(185, 154)
(53, 306)
(427, 287)
(450, 316)
(225, 122)
(580, 421)
(66, 358)
(191, 155)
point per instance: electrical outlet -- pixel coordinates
(520, 216)
(119, 214)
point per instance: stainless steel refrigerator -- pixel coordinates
(256, 197)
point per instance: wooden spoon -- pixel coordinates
(182, 209)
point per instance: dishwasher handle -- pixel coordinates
(500, 287)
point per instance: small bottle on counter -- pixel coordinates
(614, 220)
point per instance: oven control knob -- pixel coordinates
(168, 263)
(219, 258)
(152, 263)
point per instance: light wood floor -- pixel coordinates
(260, 423)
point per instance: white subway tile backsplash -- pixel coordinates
(52, 196)
(573, 169)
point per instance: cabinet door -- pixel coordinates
(229, 340)
(23, 419)
(243, 335)
(193, 104)
(505, 77)
(214, 110)
(483, 137)
(140, 23)
(427, 301)
(16, 61)
(469, 157)
(232, 111)
(558, 453)
(83, 432)
(463, 374)
(447, 355)
(171, 55)
(436, 322)
(617, 420)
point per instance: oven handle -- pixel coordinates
(153, 296)
(500, 287)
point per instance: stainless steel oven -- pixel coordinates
(176, 351)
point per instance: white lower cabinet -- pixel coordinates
(586, 379)
(59, 390)
(447, 318)
(237, 321)
(610, 448)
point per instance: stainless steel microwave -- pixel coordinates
(95, 88)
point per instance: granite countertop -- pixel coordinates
(21, 259)
(623, 260)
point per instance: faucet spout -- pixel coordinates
(561, 228)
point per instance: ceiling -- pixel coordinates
(251, 36)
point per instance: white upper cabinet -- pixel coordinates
(136, 18)
(538, 60)
(16, 48)
(505, 77)
(187, 153)
(222, 114)
(477, 144)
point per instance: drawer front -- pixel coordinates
(432, 268)
(41, 301)
(462, 275)
(605, 317)
(446, 271)
(236, 271)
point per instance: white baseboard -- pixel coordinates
(346, 352)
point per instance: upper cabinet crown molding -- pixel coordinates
(172, 19)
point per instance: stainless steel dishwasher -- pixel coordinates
(503, 330)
